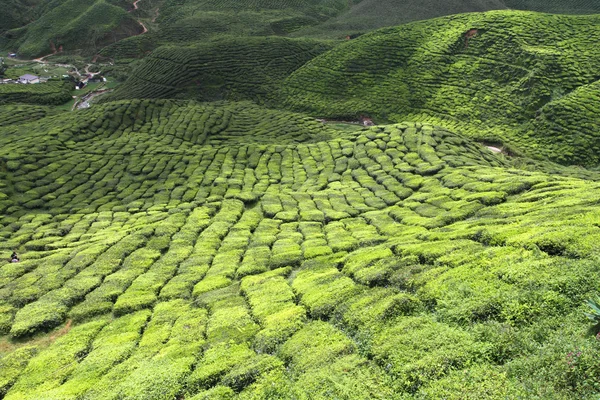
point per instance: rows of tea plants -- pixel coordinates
(18, 114)
(233, 69)
(184, 250)
(574, 120)
(49, 93)
(185, 23)
(518, 62)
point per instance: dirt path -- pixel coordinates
(41, 59)
(135, 7)
(88, 74)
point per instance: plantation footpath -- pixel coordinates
(193, 250)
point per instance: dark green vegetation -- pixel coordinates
(367, 15)
(523, 79)
(72, 25)
(231, 68)
(39, 27)
(203, 250)
(49, 93)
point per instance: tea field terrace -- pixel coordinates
(188, 250)
(459, 71)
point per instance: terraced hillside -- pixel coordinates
(38, 27)
(194, 251)
(556, 6)
(232, 68)
(366, 15)
(459, 72)
(189, 22)
(49, 93)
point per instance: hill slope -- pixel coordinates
(196, 252)
(72, 25)
(517, 62)
(230, 68)
(367, 15)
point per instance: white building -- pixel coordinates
(27, 78)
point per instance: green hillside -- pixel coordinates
(18, 114)
(37, 27)
(191, 250)
(72, 25)
(187, 23)
(219, 225)
(15, 13)
(520, 63)
(49, 93)
(230, 68)
(366, 15)
(556, 6)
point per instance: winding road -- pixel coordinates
(135, 7)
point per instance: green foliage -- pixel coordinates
(250, 69)
(594, 314)
(430, 71)
(219, 250)
(74, 24)
(49, 93)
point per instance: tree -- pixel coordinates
(3, 66)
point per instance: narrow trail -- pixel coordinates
(88, 74)
(41, 59)
(135, 7)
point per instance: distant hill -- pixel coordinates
(367, 15)
(38, 27)
(556, 6)
(186, 22)
(15, 13)
(491, 74)
(229, 68)
(72, 25)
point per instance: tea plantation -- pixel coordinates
(198, 233)
(229, 68)
(460, 71)
(175, 249)
(48, 93)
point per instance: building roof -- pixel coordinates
(28, 77)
